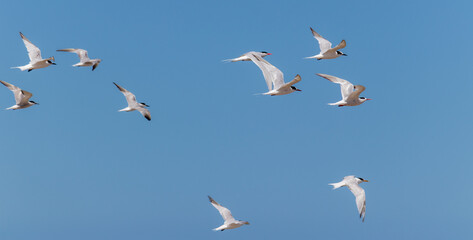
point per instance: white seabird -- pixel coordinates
(22, 97)
(230, 222)
(245, 57)
(326, 50)
(352, 183)
(350, 93)
(133, 104)
(36, 61)
(85, 61)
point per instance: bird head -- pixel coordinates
(295, 89)
(363, 99)
(340, 53)
(33, 102)
(144, 104)
(362, 180)
(50, 62)
(264, 54)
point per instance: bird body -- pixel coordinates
(245, 56)
(352, 183)
(22, 97)
(34, 53)
(85, 61)
(350, 93)
(326, 50)
(230, 221)
(133, 104)
(274, 77)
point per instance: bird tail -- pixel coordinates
(22, 68)
(228, 60)
(311, 57)
(336, 185)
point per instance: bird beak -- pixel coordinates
(269, 54)
(344, 54)
(53, 63)
(365, 180)
(298, 90)
(369, 99)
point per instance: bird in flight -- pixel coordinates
(22, 97)
(230, 222)
(36, 61)
(85, 61)
(245, 57)
(273, 76)
(326, 50)
(133, 104)
(352, 183)
(350, 93)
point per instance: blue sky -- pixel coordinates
(75, 168)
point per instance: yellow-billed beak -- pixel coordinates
(365, 180)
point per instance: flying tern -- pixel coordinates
(230, 222)
(326, 50)
(350, 93)
(22, 97)
(245, 57)
(85, 61)
(36, 61)
(352, 183)
(274, 77)
(133, 104)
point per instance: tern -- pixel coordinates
(36, 61)
(245, 57)
(352, 183)
(133, 104)
(230, 222)
(85, 61)
(326, 50)
(350, 93)
(22, 97)
(274, 77)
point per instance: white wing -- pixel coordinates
(360, 198)
(356, 94)
(226, 214)
(145, 112)
(21, 96)
(272, 75)
(345, 86)
(323, 43)
(33, 52)
(130, 98)
(83, 56)
(341, 45)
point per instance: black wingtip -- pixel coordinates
(148, 117)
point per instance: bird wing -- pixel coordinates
(83, 56)
(33, 52)
(226, 214)
(341, 45)
(95, 66)
(145, 112)
(261, 63)
(296, 79)
(130, 98)
(324, 44)
(356, 94)
(346, 87)
(360, 198)
(21, 96)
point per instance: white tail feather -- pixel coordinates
(337, 185)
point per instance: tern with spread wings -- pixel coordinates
(230, 222)
(36, 61)
(85, 61)
(274, 77)
(133, 104)
(352, 183)
(22, 97)
(350, 93)
(326, 50)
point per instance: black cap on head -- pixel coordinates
(362, 97)
(263, 52)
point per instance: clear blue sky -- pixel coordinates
(75, 168)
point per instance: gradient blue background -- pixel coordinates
(74, 168)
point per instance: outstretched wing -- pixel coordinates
(21, 96)
(83, 56)
(296, 79)
(324, 44)
(33, 52)
(130, 98)
(356, 94)
(345, 86)
(261, 63)
(226, 214)
(341, 45)
(360, 198)
(145, 112)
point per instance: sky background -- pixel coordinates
(75, 168)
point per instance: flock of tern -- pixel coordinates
(274, 80)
